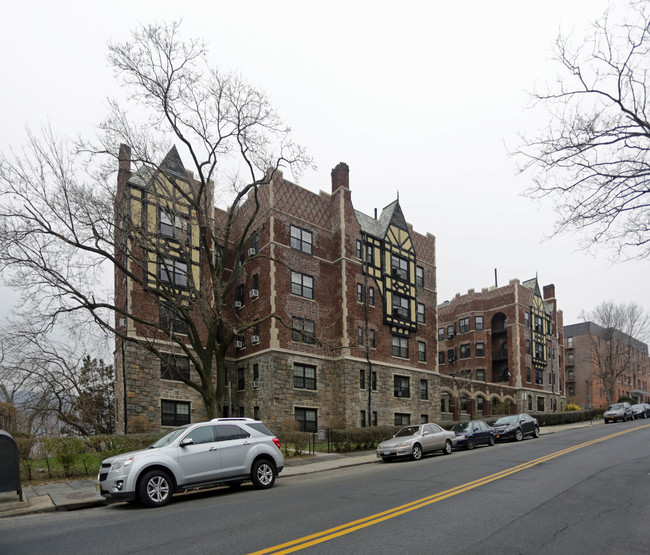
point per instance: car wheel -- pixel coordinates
(606, 422)
(155, 489)
(263, 474)
(446, 450)
(491, 441)
(518, 435)
(645, 415)
(470, 444)
(416, 455)
(536, 431)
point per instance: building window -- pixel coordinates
(399, 267)
(174, 413)
(539, 350)
(527, 374)
(570, 375)
(419, 276)
(374, 417)
(570, 342)
(256, 372)
(359, 292)
(463, 325)
(527, 319)
(241, 379)
(402, 419)
(480, 349)
(172, 271)
(304, 376)
(479, 323)
(479, 400)
(370, 255)
(539, 377)
(374, 384)
(441, 357)
(359, 249)
(465, 351)
(306, 418)
(420, 313)
(540, 404)
(372, 338)
(424, 390)
(441, 334)
(303, 331)
(451, 355)
(175, 368)
(451, 331)
(169, 321)
(572, 391)
(239, 296)
(569, 358)
(539, 326)
(254, 245)
(371, 296)
(400, 307)
(400, 347)
(401, 386)
(422, 351)
(302, 285)
(301, 239)
(480, 375)
(362, 418)
(527, 346)
(172, 225)
(360, 336)
(362, 379)
(256, 413)
(424, 418)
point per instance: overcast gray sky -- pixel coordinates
(420, 98)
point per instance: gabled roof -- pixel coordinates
(172, 165)
(391, 214)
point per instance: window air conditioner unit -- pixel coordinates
(252, 251)
(255, 338)
(450, 335)
(254, 293)
(122, 322)
(256, 384)
(237, 304)
(239, 344)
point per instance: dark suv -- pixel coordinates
(222, 451)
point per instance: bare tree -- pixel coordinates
(66, 226)
(592, 158)
(615, 342)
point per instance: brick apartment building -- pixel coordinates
(593, 352)
(353, 339)
(502, 345)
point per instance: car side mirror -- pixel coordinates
(186, 442)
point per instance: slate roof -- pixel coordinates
(378, 227)
(171, 165)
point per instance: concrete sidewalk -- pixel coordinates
(81, 494)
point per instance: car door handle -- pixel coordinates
(213, 449)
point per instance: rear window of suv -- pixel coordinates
(258, 426)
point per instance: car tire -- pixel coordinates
(263, 474)
(386, 459)
(518, 435)
(155, 489)
(446, 450)
(491, 441)
(645, 415)
(606, 422)
(416, 454)
(470, 444)
(536, 431)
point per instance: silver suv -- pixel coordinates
(224, 450)
(618, 411)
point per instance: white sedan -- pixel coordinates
(417, 440)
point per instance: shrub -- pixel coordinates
(66, 450)
(573, 406)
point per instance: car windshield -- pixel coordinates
(409, 431)
(506, 420)
(618, 406)
(171, 436)
(460, 427)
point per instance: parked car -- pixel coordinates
(472, 433)
(618, 411)
(417, 440)
(221, 451)
(640, 410)
(516, 427)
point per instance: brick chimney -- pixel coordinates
(340, 176)
(124, 159)
(549, 291)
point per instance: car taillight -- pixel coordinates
(276, 441)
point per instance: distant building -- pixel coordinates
(592, 354)
(509, 338)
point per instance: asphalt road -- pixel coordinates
(579, 491)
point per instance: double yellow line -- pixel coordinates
(331, 533)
